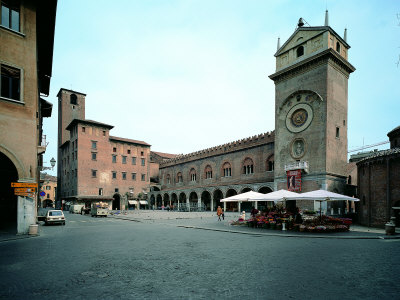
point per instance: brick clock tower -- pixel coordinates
(311, 90)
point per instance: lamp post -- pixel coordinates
(52, 163)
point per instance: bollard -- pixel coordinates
(33, 229)
(390, 228)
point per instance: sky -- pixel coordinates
(188, 75)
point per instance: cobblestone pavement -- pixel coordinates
(153, 258)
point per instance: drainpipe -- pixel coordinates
(388, 199)
(369, 194)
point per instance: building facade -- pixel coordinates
(94, 166)
(378, 184)
(307, 150)
(48, 185)
(26, 54)
(202, 179)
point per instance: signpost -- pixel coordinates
(24, 189)
(24, 185)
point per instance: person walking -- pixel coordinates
(219, 213)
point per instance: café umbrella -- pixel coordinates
(245, 197)
(321, 196)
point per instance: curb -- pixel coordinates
(18, 238)
(295, 235)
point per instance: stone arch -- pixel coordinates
(116, 203)
(206, 200)
(174, 199)
(16, 162)
(309, 95)
(261, 205)
(8, 201)
(73, 99)
(231, 206)
(152, 201)
(158, 201)
(182, 197)
(217, 196)
(155, 189)
(166, 200)
(300, 51)
(245, 189)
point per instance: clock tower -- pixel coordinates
(311, 90)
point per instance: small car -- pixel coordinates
(54, 217)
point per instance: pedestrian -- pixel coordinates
(223, 214)
(219, 213)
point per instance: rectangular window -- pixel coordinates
(123, 175)
(129, 151)
(337, 132)
(114, 159)
(133, 160)
(116, 190)
(114, 149)
(94, 145)
(143, 161)
(83, 129)
(114, 175)
(104, 133)
(10, 14)
(124, 159)
(10, 82)
(48, 196)
(141, 153)
(143, 177)
(94, 173)
(133, 176)
(100, 191)
(94, 156)
(48, 187)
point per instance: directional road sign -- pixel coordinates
(24, 184)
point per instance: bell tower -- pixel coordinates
(311, 89)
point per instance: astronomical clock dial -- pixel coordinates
(299, 117)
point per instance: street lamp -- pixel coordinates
(52, 163)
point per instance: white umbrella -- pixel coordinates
(280, 195)
(322, 195)
(248, 196)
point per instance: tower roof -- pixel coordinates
(317, 29)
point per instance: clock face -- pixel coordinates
(299, 117)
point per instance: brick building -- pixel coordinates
(203, 178)
(93, 165)
(26, 58)
(378, 184)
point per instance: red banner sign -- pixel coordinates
(294, 180)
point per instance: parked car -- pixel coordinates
(54, 217)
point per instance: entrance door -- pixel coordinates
(116, 202)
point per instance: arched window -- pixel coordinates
(337, 47)
(168, 179)
(300, 51)
(73, 99)
(248, 166)
(227, 170)
(270, 164)
(208, 172)
(192, 174)
(179, 177)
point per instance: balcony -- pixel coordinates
(300, 165)
(43, 145)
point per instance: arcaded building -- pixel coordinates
(93, 165)
(378, 184)
(306, 151)
(26, 59)
(202, 179)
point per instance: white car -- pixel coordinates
(54, 217)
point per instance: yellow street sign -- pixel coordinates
(24, 184)
(25, 194)
(25, 190)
